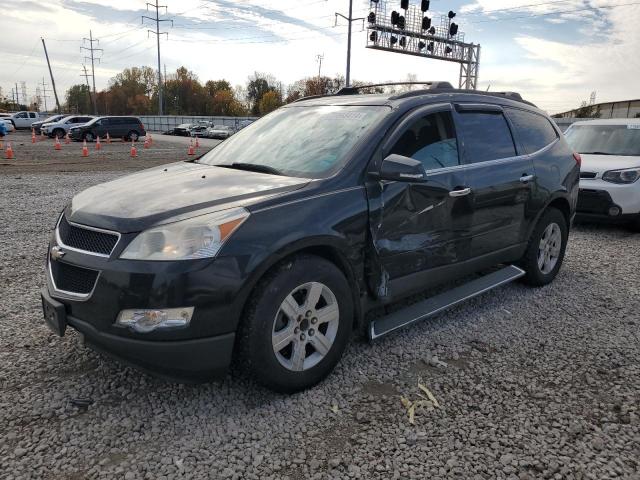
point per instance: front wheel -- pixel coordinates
(88, 137)
(545, 251)
(298, 324)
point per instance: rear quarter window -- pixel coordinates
(533, 131)
(486, 136)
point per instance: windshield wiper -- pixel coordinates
(597, 153)
(253, 167)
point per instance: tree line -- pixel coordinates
(134, 91)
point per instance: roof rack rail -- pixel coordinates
(437, 85)
(515, 96)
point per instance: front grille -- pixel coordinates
(85, 239)
(70, 278)
(594, 201)
(588, 175)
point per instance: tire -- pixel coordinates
(59, 132)
(551, 234)
(133, 136)
(299, 360)
(88, 136)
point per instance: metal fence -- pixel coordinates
(162, 123)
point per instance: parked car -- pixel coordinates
(182, 130)
(275, 244)
(23, 119)
(199, 129)
(36, 125)
(129, 128)
(609, 180)
(220, 131)
(61, 127)
(8, 125)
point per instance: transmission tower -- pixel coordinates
(157, 33)
(44, 94)
(92, 51)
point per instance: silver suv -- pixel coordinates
(61, 127)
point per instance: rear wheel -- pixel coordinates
(545, 251)
(133, 136)
(58, 133)
(298, 324)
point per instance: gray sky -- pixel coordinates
(553, 52)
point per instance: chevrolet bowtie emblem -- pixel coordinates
(57, 253)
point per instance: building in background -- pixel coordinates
(622, 109)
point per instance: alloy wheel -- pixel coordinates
(305, 326)
(549, 248)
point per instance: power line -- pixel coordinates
(157, 34)
(585, 8)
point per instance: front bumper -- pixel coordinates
(597, 196)
(201, 350)
(197, 359)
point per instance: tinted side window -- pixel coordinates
(486, 136)
(534, 131)
(431, 140)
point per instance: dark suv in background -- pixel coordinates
(275, 244)
(129, 128)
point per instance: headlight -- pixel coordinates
(198, 237)
(628, 175)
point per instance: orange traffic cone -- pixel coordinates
(150, 140)
(8, 154)
(57, 145)
(67, 140)
(85, 149)
(197, 143)
(108, 138)
(98, 144)
(191, 150)
(146, 143)
(134, 152)
(33, 136)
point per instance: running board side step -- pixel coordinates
(430, 306)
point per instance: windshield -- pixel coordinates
(605, 139)
(309, 142)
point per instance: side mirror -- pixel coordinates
(402, 169)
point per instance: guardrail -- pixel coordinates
(162, 123)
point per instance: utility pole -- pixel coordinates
(157, 33)
(349, 20)
(17, 96)
(53, 82)
(92, 49)
(86, 77)
(319, 59)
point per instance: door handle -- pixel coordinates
(460, 193)
(527, 178)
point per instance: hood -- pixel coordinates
(602, 163)
(138, 201)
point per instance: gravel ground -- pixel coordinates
(41, 157)
(531, 383)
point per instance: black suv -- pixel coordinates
(275, 244)
(129, 128)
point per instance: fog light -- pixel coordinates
(144, 321)
(614, 211)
